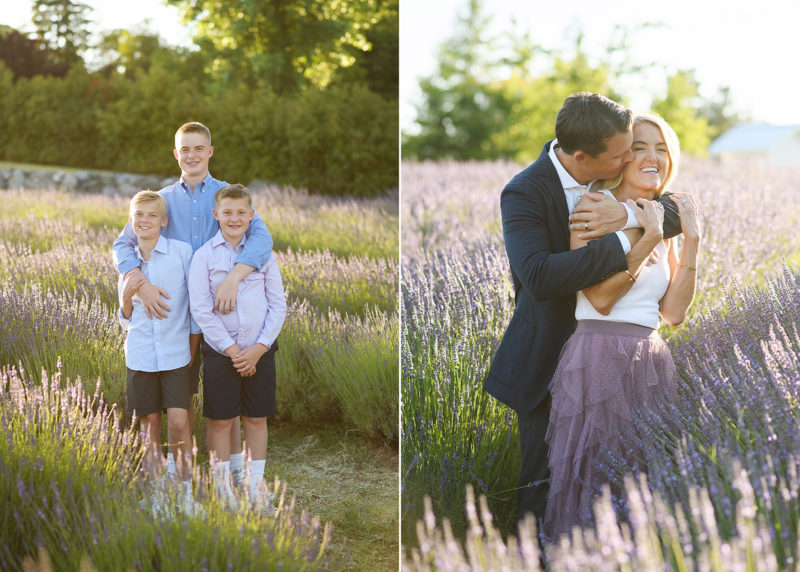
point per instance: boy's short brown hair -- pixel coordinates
(149, 197)
(235, 191)
(194, 127)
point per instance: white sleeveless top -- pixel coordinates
(640, 304)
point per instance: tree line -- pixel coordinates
(497, 97)
(296, 92)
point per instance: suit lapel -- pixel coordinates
(558, 196)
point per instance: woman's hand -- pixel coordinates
(690, 215)
(650, 215)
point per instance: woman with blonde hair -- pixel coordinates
(615, 363)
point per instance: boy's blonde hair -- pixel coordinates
(193, 127)
(149, 197)
(235, 191)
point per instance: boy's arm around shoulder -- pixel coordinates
(527, 227)
(258, 248)
(276, 303)
(124, 250)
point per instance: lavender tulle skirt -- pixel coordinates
(606, 373)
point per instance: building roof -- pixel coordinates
(748, 137)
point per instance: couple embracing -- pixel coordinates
(582, 354)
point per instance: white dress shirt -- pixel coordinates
(161, 345)
(573, 191)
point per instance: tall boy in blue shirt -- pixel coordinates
(190, 205)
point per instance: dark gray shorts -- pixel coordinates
(153, 391)
(226, 394)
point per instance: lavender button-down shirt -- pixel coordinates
(160, 345)
(260, 303)
(190, 219)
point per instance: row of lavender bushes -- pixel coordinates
(722, 490)
(338, 352)
(457, 298)
(337, 364)
(69, 475)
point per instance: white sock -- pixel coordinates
(236, 461)
(256, 476)
(171, 468)
(222, 477)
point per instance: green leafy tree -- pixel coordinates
(27, 57)
(680, 107)
(286, 44)
(129, 54)
(377, 63)
(465, 102)
(61, 25)
(535, 101)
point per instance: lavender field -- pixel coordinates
(333, 442)
(721, 493)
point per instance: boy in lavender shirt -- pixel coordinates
(238, 347)
(157, 353)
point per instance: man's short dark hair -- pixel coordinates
(587, 120)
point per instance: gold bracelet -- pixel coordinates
(628, 272)
(687, 267)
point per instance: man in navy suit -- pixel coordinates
(593, 141)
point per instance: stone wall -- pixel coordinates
(102, 182)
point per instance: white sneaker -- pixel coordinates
(190, 507)
(263, 503)
(228, 500)
(158, 506)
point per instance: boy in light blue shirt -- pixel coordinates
(157, 352)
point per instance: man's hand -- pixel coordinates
(225, 296)
(597, 215)
(245, 362)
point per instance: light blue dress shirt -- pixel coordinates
(161, 345)
(190, 219)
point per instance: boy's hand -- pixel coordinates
(194, 345)
(132, 284)
(245, 362)
(150, 295)
(225, 296)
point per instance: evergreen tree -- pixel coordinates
(61, 25)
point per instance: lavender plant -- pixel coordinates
(456, 299)
(69, 473)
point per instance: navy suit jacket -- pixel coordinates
(546, 275)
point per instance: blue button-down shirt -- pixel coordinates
(190, 219)
(161, 345)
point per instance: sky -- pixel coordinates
(751, 46)
(112, 14)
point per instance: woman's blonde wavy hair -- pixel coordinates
(673, 149)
